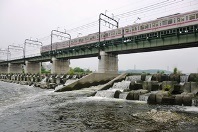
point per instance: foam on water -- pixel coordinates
(121, 85)
(148, 78)
(134, 78)
(144, 97)
(111, 91)
(183, 79)
(105, 93)
(191, 109)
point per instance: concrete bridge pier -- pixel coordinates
(32, 67)
(108, 63)
(60, 66)
(14, 68)
(3, 69)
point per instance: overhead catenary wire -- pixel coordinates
(127, 14)
(122, 15)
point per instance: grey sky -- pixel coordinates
(21, 19)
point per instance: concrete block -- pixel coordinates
(186, 87)
(152, 99)
(178, 99)
(160, 95)
(194, 87)
(168, 100)
(130, 95)
(187, 100)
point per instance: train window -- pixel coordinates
(170, 21)
(153, 24)
(106, 34)
(87, 38)
(191, 17)
(197, 15)
(142, 27)
(113, 33)
(134, 28)
(119, 32)
(97, 35)
(93, 37)
(146, 26)
(126, 30)
(182, 19)
(80, 40)
(186, 18)
(156, 24)
(164, 22)
(178, 19)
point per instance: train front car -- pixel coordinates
(151, 28)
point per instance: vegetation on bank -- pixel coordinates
(72, 71)
(79, 71)
(45, 71)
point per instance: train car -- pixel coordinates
(113, 34)
(62, 45)
(159, 24)
(45, 49)
(163, 23)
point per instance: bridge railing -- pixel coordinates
(33, 55)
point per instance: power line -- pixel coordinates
(130, 13)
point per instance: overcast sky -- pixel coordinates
(22, 19)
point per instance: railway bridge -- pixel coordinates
(107, 51)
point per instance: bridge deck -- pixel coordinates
(183, 37)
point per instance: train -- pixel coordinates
(159, 24)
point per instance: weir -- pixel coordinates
(136, 87)
(121, 86)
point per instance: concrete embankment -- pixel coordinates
(92, 79)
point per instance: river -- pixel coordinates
(30, 109)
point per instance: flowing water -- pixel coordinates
(183, 79)
(133, 78)
(148, 78)
(111, 91)
(121, 86)
(31, 109)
